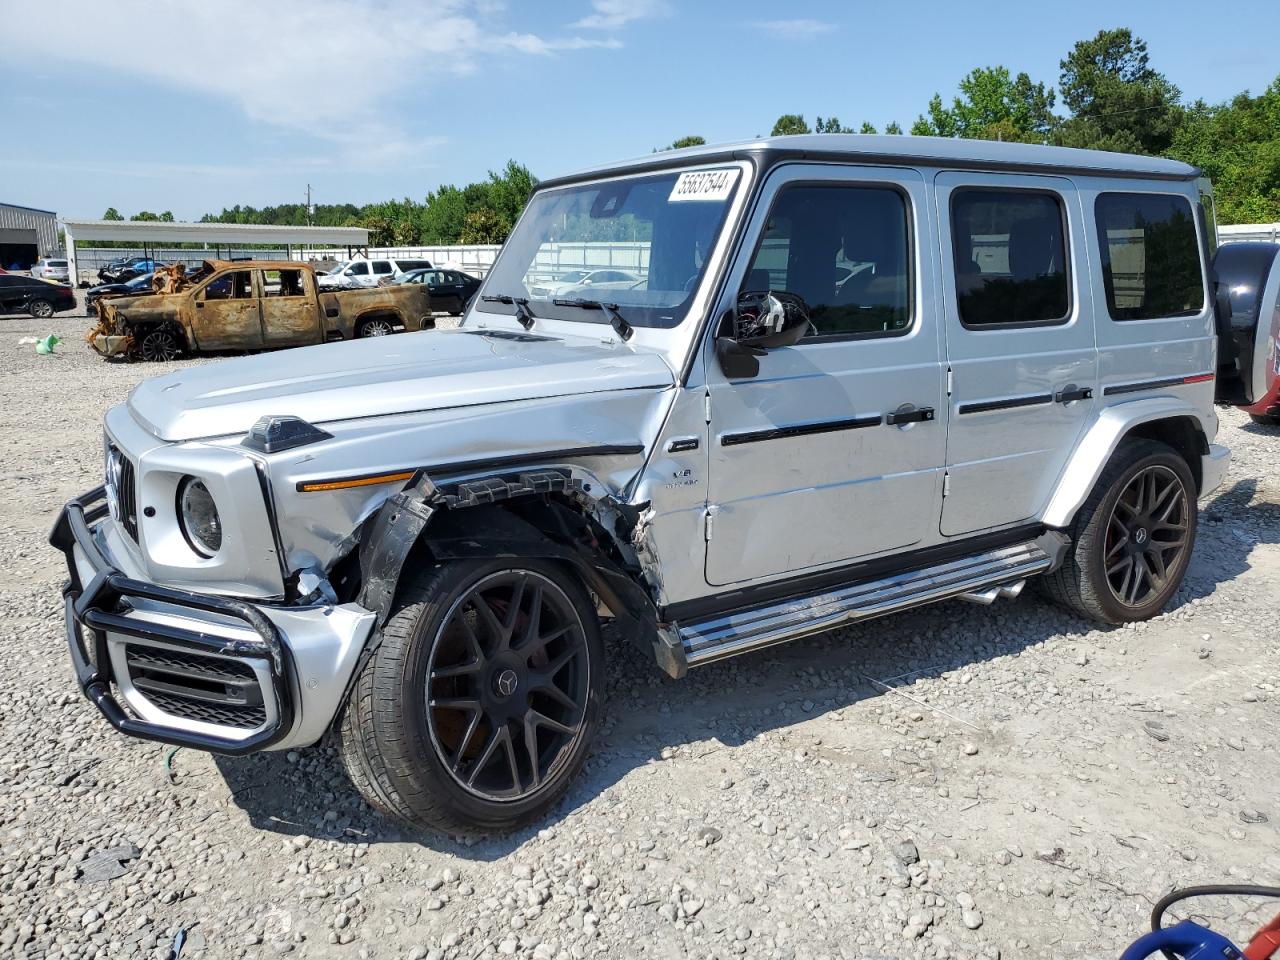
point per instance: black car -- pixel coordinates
(133, 288)
(39, 298)
(449, 289)
(111, 272)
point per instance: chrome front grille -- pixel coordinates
(197, 687)
(122, 490)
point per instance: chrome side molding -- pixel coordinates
(1000, 572)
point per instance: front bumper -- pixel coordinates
(193, 669)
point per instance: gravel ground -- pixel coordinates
(954, 782)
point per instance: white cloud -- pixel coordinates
(615, 14)
(801, 29)
(336, 70)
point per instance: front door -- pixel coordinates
(1020, 342)
(834, 451)
(227, 313)
(290, 315)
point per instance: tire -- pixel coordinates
(159, 344)
(461, 763)
(1125, 521)
(1265, 419)
(375, 327)
(41, 309)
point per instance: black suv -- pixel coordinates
(37, 297)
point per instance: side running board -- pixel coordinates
(727, 635)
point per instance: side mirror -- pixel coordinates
(738, 360)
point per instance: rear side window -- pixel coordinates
(381, 267)
(846, 250)
(1010, 251)
(1150, 255)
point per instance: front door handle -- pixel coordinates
(1070, 394)
(899, 417)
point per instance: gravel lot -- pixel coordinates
(954, 782)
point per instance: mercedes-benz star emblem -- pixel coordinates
(1140, 536)
(505, 683)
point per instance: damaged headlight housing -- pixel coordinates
(198, 517)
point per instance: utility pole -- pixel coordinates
(311, 210)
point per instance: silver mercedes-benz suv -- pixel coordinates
(845, 376)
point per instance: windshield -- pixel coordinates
(639, 242)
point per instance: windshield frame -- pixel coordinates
(722, 238)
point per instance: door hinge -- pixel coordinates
(946, 484)
(709, 518)
(706, 404)
(951, 381)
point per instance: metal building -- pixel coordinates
(26, 235)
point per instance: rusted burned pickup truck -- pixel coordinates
(250, 305)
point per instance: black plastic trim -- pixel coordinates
(745, 598)
(1010, 403)
(919, 415)
(496, 463)
(1117, 388)
(800, 430)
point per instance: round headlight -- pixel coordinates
(198, 517)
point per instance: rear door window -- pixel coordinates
(1150, 255)
(1010, 249)
(382, 267)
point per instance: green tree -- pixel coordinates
(829, 125)
(992, 105)
(868, 127)
(690, 141)
(112, 214)
(893, 128)
(1237, 145)
(1117, 100)
(790, 123)
(484, 226)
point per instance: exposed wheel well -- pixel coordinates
(389, 315)
(1181, 433)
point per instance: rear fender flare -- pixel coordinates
(1095, 449)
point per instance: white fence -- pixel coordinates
(1236, 232)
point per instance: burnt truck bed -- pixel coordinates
(250, 305)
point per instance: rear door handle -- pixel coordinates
(909, 416)
(1069, 394)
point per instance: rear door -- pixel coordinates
(1020, 343)
(290, 308)
(833, 451)
(227, 312)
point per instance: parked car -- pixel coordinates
(368, 273)
(252, 305)
(111, 271)
(411, 542)
(450, 290)
(140, 268)
(1249, 274)
(40, 298)
(51, 269)
(136, 287)
(575, 282)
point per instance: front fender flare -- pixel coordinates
(1096, 447)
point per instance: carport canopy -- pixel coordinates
(147, 232)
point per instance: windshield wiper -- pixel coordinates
(523, 313)
(620, 325)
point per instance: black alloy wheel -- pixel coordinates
(508, 684)
(159, 344)
(1147, 535)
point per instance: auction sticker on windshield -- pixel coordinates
(704, 185)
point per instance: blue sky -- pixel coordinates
(125, 104)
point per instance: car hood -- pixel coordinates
(380, 376)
